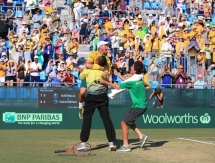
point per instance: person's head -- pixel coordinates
(36, 59)
(137, 68)
(188, 79)
(60, 74)
(102, 47)
(200, 77)
(68, 71)
(102, 61)
(180, 68)
(62, 64)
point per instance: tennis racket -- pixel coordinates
(80, 113)
(84, 152)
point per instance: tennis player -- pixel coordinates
(96, 98)
(139, 106)
(92, 65)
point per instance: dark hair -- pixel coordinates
(138, 67)
(102, 61)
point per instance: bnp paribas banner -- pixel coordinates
(67, 118)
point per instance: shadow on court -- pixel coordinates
(147, 146)
(90, 155)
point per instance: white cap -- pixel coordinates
(105, 8)
(101, 43)
(130, 51)
(62, 62)
(24, 23)
(167, 38)
(1, 60)
(3, 53)
(139, 16)
(120, 48)
(180, 24)
(130, 27)
(36, 56)
(135, 20)
(150, 14)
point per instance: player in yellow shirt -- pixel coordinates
(91, 64)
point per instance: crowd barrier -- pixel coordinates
(57, 108)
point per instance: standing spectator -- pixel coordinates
(20, 73)
(71, 62)
(74, 47)
(2, 71)
(9, 15)
(37, 19)
(10, 73)
(180, 77)
(55, 23)
(153, 66)
(96, 37)
(122, 8)
(69, 79)
(51, 70)
(78, 6)
(166, 76)
(3, 27)
(115, 42)
(35, 69)
(199, 84)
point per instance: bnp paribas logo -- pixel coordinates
(9, 117)
(205, 119)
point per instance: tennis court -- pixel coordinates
(164, 145)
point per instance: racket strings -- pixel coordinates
(84, 151)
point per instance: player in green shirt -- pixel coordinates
(139, 105)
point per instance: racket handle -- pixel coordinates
(59, 151)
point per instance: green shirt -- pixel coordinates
(137, 93)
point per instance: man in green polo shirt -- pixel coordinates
(139, 106)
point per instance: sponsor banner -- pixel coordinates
(66, 118)
(179, 118)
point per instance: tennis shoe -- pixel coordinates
(111, 147)
(81, 146)
(124, 149)
(143, 141)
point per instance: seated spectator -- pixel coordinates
(153, 66)
(71, 62)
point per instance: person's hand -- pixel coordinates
(101, 68)
(115, 72)
(105, 74)
(101, 81)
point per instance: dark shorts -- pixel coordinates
(8, 78)
(131, 115)
(83, 83)
(35, 79)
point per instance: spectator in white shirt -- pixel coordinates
(35, 69)
(115, 41)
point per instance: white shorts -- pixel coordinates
(2, 79)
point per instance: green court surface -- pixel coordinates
(164, 145)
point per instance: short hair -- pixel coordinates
(102, 61)
(138, 67)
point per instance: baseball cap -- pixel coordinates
(36, 57)
(3, 53)
(120, 48)
(102, 43)
(200, 76)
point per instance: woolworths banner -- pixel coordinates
(67, 118)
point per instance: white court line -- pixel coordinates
(202, 137)
(196, 141)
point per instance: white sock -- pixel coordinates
(111, 144)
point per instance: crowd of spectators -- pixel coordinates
(174, 39)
